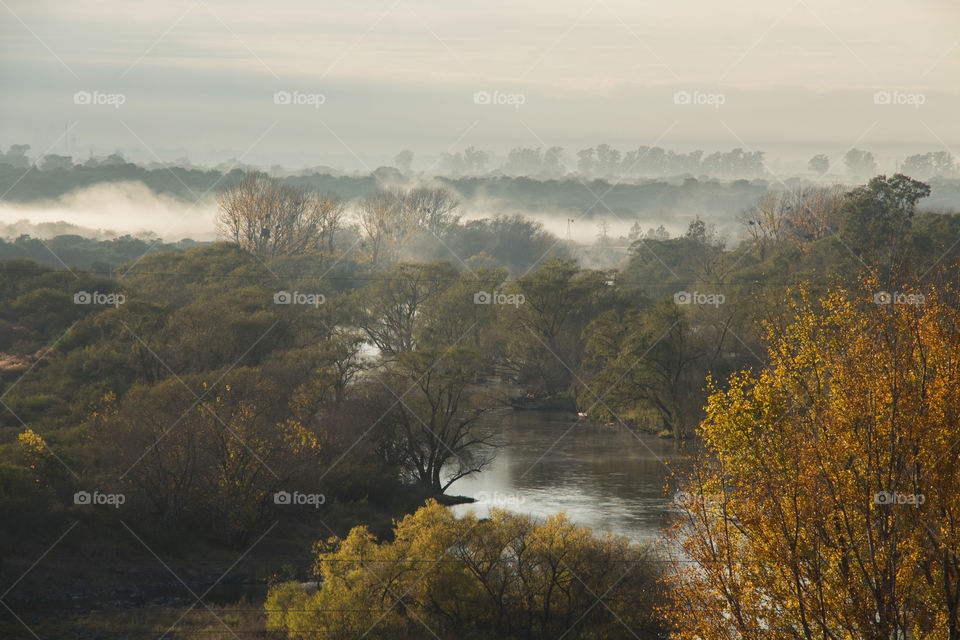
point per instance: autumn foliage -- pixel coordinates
(502, 577)
(827, 501)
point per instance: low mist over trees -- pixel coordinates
(860, 164)
(57, 173)
(936, 164)
(819, 163)
(810, 362)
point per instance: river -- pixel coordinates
(604, 477)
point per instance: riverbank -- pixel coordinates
(109, 584)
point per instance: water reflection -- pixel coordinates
(604, 477)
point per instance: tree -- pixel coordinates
(799, 215)
(203, 454)
(271, 219)
(547, 330)
(501, 577)
(608, 161)
(819, 164)
(523, 162)
(432, 208)
(54, 162)
(877, 216)
(655, 361)
(815, 213)
(390, 310)
(388, 222)
(860, 164)
(585, 162)
(826, 503)
(513, 241)
(931, 165)
(475, 160)
(552, 162)
(434, 434)
(404, 161)
(16, 156)
(767, 220)
(603, 231)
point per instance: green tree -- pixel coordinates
(391, 309)
(877, 217)
(547, 341)
(819, 164)
(433, 433)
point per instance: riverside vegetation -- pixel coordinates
(309, 355)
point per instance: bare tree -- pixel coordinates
(815, 213)
(766, 220)
(272, 219)
(432, 208)
(381, 216)
(389, 218)
(804, 214)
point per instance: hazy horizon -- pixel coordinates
(200, 79)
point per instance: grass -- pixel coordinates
(243, 619)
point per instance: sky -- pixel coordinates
(349, 84)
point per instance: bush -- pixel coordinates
(502, 577)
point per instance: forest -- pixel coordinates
(303, 377)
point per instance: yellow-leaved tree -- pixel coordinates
(826, 502)
(502, 577)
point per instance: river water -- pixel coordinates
(604, 477)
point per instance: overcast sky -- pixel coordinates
(201, 78)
